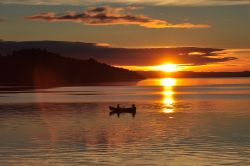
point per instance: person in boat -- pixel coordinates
(118, 106)
(133, 106)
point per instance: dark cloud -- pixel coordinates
(106, 15)
(124, 56)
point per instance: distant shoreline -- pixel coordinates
(190, 74)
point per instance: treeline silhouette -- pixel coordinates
(191, 74)
(37, 67)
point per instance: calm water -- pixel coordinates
(178, 122)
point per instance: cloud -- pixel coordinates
(235, 51)
(140, 2)
(124, 56)
(106, 15)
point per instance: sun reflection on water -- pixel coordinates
(168, 100)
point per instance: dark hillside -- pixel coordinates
(42, 68)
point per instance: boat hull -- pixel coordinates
(118, 111)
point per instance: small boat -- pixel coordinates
(120, 110)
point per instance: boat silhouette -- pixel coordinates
(120, 110)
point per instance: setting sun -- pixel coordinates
(167, 67)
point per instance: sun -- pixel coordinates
(167, 67)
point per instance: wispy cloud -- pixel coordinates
(149, 2)
(125, 56)
(106, 15)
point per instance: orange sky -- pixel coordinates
(145, 27)
(240, 64)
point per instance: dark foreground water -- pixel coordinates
(178, 122)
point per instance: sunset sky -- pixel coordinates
(139, 34)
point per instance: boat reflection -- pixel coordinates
(168, 100)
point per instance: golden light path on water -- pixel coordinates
(168, 100)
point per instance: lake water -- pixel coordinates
(178, 122)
